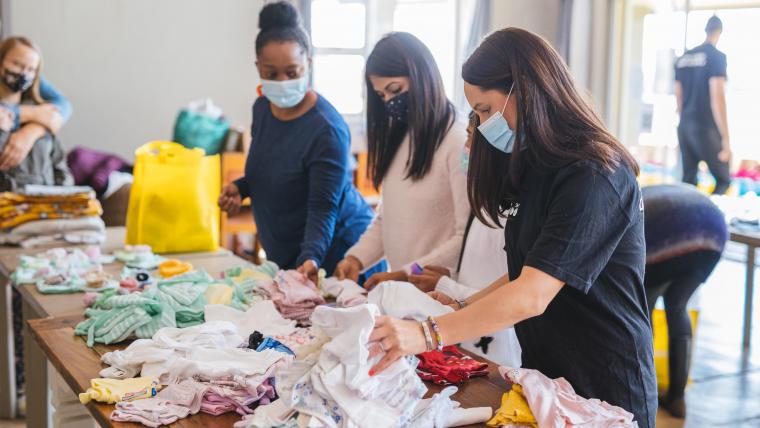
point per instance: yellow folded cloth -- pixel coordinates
(248, 273)
(173, 267)
(10, 198)
(514, 410)
(15, 215)
(114, 390)
(219, 294)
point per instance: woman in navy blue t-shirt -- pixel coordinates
(297, 174)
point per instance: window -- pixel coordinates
(339, 36)
(648, 113)
(427, 20)
(343, 33)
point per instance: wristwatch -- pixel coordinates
(461, 303)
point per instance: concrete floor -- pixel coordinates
(725, 389)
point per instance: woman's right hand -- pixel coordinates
(230, 200)
(349, 268)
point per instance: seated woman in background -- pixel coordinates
(685, 236)
(30, 153)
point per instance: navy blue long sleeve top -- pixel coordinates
(300, 183)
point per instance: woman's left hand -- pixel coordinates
(309, 270)
(396, 338)
(428, 279)
(385, 276)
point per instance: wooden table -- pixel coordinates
(77, 364)
(752, 241)
(37, 305)
(48, 336)
(9, 259)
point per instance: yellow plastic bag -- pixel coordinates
(173, 203)
(660, 330)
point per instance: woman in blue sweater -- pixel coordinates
(297, 173)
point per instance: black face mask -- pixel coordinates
(398, 107)
(17, 82)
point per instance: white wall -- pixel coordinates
(128, 66)
(538, 16)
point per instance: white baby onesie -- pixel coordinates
(404, 300)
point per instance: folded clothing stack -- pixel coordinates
(138, 257)
(61, 270)
(39, 215)
(114, 390)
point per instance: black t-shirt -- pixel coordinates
(694, 70)
(584, 225)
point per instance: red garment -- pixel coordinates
(449, 366)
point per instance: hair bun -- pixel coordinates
(278, 14)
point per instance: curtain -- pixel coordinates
(474, 24)
(565, 27)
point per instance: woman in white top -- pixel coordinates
(482, 261)
(414, 144)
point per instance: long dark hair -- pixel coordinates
(557, 123)
(431, 114)
(280, 22)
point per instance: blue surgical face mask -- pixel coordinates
(285, 93)
(496, 130)
(464, 159)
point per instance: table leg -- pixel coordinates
(7, 356)
(68, 411)
(36, 377)
(748, 296)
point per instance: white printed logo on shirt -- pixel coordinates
(698, 59)
(512, 210)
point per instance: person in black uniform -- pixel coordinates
(700, 93)
(543, 165)
(685, 235)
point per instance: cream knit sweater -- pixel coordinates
(420, 221)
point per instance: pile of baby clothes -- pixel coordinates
(205, 369)
(40, 215)
(61, 270)
(294, 295)
(179, 301)
(333, 387)
(347, 293)
(538, 401)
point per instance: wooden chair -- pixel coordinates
(363, 182)
(233, 167)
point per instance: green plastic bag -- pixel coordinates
(193, 129)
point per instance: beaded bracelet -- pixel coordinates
(428, 337)
(437, 331)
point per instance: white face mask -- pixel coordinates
(496, 130)
(285, 93)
